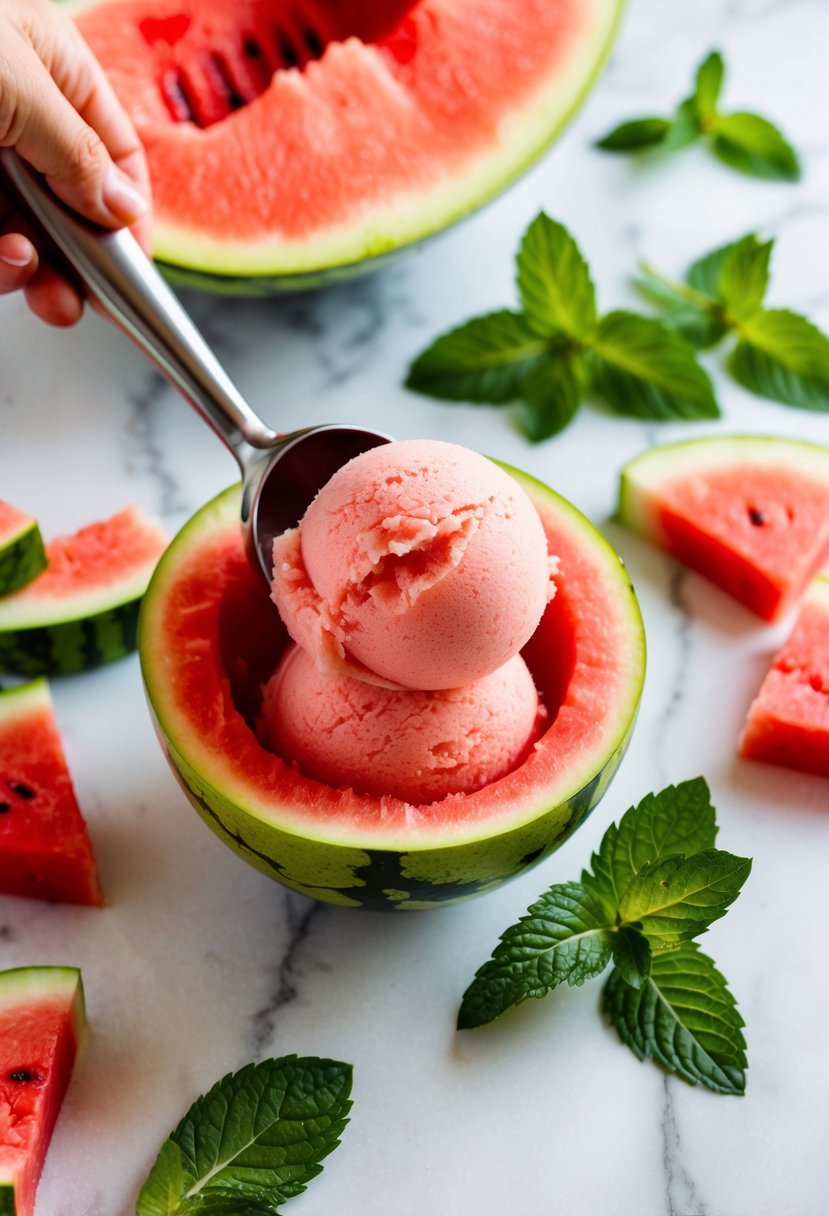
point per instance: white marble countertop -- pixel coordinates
(200, 964)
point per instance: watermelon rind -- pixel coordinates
(20, 988)
(519, 138)
(22, 556)
(422, 861)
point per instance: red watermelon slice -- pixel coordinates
(42, 1024)
(45, 851)
(788, 722)
(749, 512)
(22, 555)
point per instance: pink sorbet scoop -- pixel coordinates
(418, 746)
(420, 564)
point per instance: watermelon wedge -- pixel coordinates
(83, 610)
(22, 555)
(42, 1025)
(749, 512)
(788, 722)
(45, 852)
(292, 140)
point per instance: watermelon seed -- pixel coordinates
(287, 51)
(222, 76)
(313, 42)
(22, 791)
(756, 517)
(5, 806)
(252, 48)
(24, 1076)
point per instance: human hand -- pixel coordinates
(60, 113)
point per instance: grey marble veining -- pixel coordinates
(199, 963)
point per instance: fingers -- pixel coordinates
(52, 298)
(18, 262)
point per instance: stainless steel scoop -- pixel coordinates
(280, 473)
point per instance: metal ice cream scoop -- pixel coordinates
(280, 473)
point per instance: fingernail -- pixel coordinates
(122, 197)
(10, 261)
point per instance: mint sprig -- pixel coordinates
(655, 883)
(557, 350)
(253, 1141)
(778, 354)
(744, 141)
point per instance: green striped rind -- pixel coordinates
(22, 558)
(274, 265)
(358, 867)
(64, 647)
(644, 479)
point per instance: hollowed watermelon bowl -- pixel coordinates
(295, 142)
(209, 636)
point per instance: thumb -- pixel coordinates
(52, 136)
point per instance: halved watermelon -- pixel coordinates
(287, 138)
(45, 852)
(788, 722)
(83, 610)
(42, 1026)
(209, 636)
(749, 512)
(22, 556)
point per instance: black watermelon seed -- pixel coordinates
(313, 42)
(287, 51)
(756, 517)
(22, 1076)
(252, 48)
(4, 807)
(22, 790)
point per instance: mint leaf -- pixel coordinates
(783, 356)
(677, 898)
(709, 81)
(564, 937)
(254, 1141)
(632, 955)
(485, 360)
(744, 275)
(699, 323)
(635, 135)
(678, 820)
(644, 370)
(703, 275)
(554, 282)
(684, 1017)
(553, 392)
(755, 146)
(684, 127)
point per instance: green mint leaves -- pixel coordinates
(744, 141)
(655, 883)
(557, 349)
(254, 1141)
(778, 354)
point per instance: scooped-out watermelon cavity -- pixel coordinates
(45, 851)
(83, 609)
(209, 636)
(288, 138)
(749, 512)
(788, 722)
(42, 1025)
(22, 555)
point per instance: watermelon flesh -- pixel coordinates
(290, 137)
(22, 555)
(788, 722)
(749, 513)
(45, 851)
(42, 1024)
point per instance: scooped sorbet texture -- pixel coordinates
(420, 564)
(409, 587)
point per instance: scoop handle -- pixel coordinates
(126, 287)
